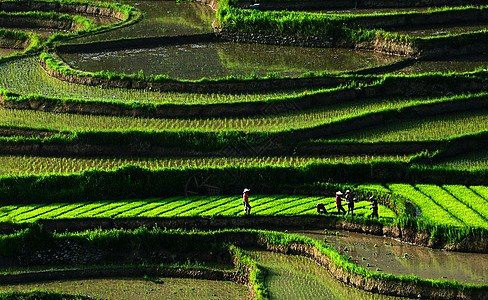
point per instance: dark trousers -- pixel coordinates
(350, 208)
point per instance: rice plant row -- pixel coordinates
(206, 206)
(12, 165)
(458, 209)
(430, 210)
(470, 198)
(452, 205)
(264, 122)
(470, 161)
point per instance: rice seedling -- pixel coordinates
(470, 198)
(431, 211)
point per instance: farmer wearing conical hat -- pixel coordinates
(340, 209)
(245, 201)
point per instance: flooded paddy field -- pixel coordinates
(214, 60)
(162, 18)
(385, 255)
(136, 289)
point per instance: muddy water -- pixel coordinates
(391, 256)
(162, 18)
(214, 60)
(455, 64)
(296, 277)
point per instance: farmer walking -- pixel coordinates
(374, 207)
(340, 209)
(245, 201)
(350, 202)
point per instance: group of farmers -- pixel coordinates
(350, 199)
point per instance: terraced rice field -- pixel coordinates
(358, 102)
(35, 165)
(167, 288)
(194, 206)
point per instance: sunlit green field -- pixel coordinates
(194, 206)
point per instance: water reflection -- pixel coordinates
(162, 18)
(214, 60)
(391, 256)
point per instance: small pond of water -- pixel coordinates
(392, 256)
(214, 60)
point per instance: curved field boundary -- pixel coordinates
(234, 20)
(338, 265)
(62, 6)
(339, 92)
(44, 20)
(55, 67)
